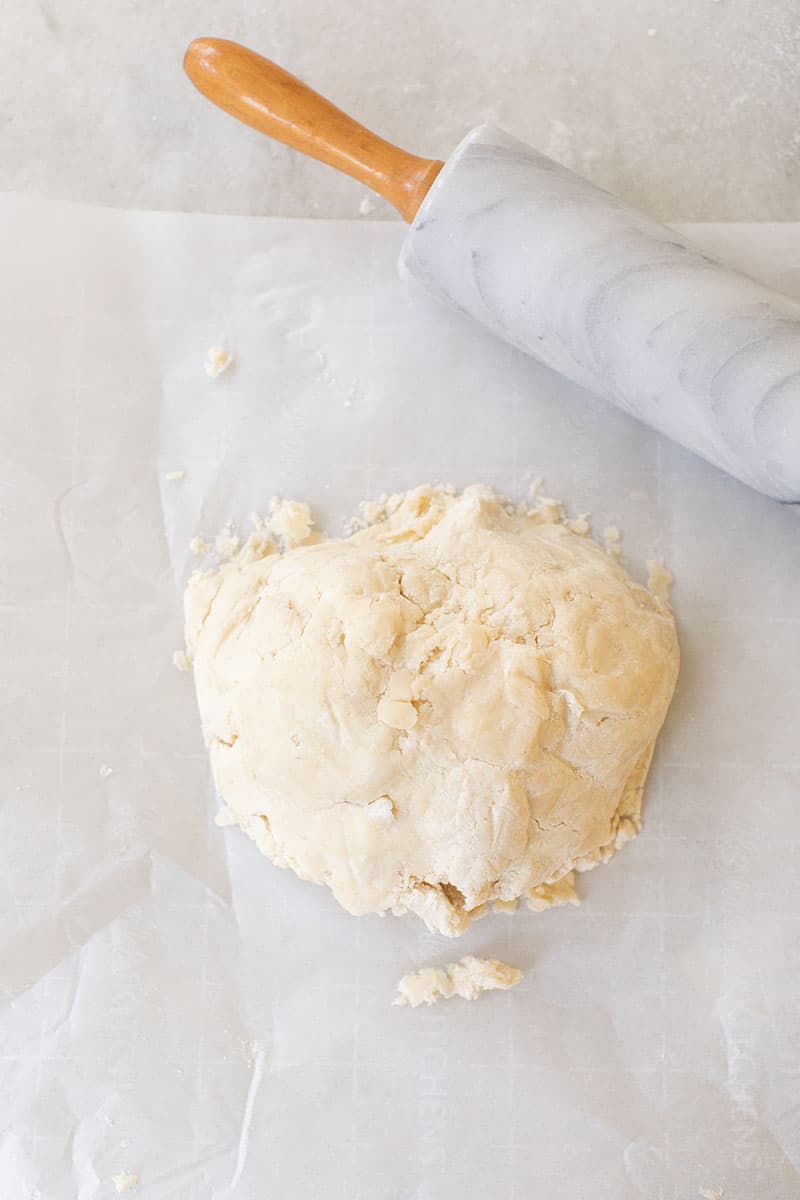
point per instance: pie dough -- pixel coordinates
(455, 705)
(467, 978)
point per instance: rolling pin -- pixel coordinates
(564, 271)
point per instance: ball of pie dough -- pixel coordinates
(456, 704)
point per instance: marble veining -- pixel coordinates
(618, 303)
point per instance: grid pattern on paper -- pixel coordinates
(176, 1008)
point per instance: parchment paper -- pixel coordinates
(177, 1008)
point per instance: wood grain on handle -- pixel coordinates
(263, 95)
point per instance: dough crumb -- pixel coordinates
(175, 476)
(543, 509)
(467, 978)
(652, 32)
(711, 1193)
(181, 661)
(366, 206)
(554, 895)
(217, 361)
(227, 543)
(547, 511)
(613, 540)
(105, 771)
(291, 521)
(257, 546)
(370, 512)
(629, 827)
(658, 580)
(579, 525)
(125, 1182)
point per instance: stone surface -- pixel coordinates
(690, 110)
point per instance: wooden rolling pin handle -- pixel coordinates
(263, 95)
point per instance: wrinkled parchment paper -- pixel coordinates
(176, 1008)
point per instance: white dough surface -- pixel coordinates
(457, 704)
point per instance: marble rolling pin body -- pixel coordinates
(617, 302)
(565, 271)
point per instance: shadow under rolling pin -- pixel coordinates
(565, 271)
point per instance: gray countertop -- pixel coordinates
(689, 108)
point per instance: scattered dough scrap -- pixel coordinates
(366, 206)
(199, 546)
(217, 361)
(370, 512)
(227, 543)
(613, 540)
(467, 978)
(125, 1182)
(258, 545)
(175, 476)
(455, 705)
(544, 509)
(711, 1193)
(554, 895)
(181, 661)
(290, 521)
(658, 579)
(105, 770)
(579, 525)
